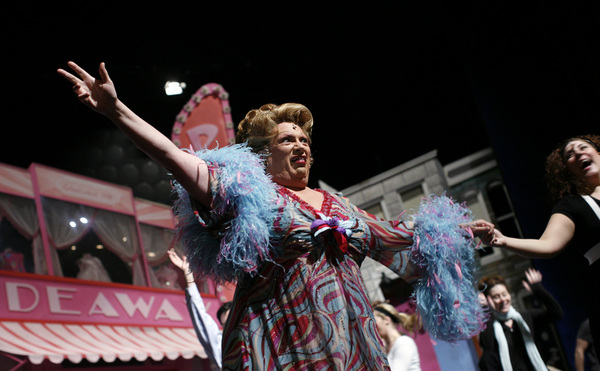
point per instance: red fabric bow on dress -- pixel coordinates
(340, 228)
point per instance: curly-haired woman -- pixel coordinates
(573, 177)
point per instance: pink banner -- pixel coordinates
(154, 214)
(15, 181)
(31, 297)
(205, 121)
(82, 190)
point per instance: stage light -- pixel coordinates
(174, 87)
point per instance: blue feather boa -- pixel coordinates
(233, 237)
(443, 252)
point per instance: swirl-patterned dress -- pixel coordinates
(308, 309)
(300, 301)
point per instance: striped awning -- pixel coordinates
(75, 342)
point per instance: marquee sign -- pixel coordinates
(78, 189)
(15, 181)
(30, 297)
(205, 121)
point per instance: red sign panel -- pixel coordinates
(32, 297)
(82, 190)
(205, 121)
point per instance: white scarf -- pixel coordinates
(532, 351)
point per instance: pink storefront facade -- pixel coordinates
(85, 279)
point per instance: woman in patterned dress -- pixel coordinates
(295, 252)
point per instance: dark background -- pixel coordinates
(385, 83)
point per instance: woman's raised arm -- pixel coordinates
(100, 95)
(559, 231)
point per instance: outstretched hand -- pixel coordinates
(178, 261)
(533, 276)
(496, 239)
(482, 229)
(98, 94)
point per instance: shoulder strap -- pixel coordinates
(593, 204)
(593, 254)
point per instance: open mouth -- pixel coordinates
(299, 160)
(585, 164)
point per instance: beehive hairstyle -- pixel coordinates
(259, 127)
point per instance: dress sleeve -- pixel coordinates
(390, 245)
(552, 310)
(232, 238)
(206, 328)
(437, 256)
(567, 207)
(584, 332)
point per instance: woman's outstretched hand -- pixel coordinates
(482, 229)
(98, 94)
(497, 239)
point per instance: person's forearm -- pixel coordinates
(579, 360)
(187, 169)
(147, 138)
(205, 326)
(531, 248)
(189, 279)
(558, 233)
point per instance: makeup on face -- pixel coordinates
(290, 156)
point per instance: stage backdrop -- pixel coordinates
(205, 121)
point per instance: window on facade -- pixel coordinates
(203, 287)
(479, 211)
(18, 228)
(498, 199)
(156, 241)
(89, 259)
(93, 244)
(16, 254)
(411, 198)
(168, 276)
(504, 215)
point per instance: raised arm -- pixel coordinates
(100, 95)
(207, 330)
(558, 233)
(580, 347)
(182, 264)
(552, 311)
